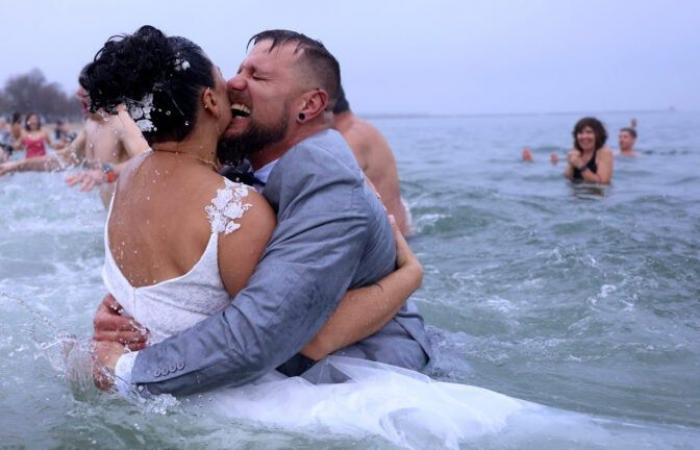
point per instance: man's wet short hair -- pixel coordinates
(629, 130)
(315, 55)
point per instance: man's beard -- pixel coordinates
(232, 150)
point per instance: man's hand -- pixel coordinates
(110, 326)
(105, 356)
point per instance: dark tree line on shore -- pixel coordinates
(31, 92)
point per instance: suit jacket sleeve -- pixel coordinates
(306, 268)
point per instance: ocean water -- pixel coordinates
(584, 301)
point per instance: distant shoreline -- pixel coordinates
(515, 114)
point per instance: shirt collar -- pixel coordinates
(263, 173)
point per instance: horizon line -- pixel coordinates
(421, 115)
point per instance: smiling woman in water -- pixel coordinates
(590, 160)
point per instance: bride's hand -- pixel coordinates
(405, 258)
(112, 327)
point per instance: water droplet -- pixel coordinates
(167, 113)
(187, 123)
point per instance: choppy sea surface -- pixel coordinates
(583, 300)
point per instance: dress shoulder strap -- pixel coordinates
(227, 207)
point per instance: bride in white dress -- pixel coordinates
(181, 241)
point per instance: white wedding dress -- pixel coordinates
(405, 407)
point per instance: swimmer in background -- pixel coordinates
(16, 128)
(34, 138)
(627, 138)
(375, 158)
(5, 140)
(527, 156)
(96, 147)
(62, 135)
(590, 160)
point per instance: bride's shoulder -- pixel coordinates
(234, 205)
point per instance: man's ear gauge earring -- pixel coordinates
(301, 117)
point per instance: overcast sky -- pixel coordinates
(439, 57)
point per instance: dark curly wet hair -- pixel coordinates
(172, 69)
(341, 104)
(601, 136)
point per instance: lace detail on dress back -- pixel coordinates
(226, 207)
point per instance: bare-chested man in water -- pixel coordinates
(375, 158)
(96, 148)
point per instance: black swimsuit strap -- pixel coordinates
(591, 164)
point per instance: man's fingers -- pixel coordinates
(115, 322)
(404, 254)
(111, 303)
(398, 236)
(394, 226)
(108, 319)
(136, 346)
(123, 337)
(110, 326)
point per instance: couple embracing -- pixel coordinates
(235, 283)
(290, 291)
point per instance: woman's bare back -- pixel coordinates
(159, 229)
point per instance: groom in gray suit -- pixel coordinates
(333, 234)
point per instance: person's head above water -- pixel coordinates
(283, 92)
(32, 122)
(627, 139)
(589, 134)
(162, 80)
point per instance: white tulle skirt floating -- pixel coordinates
(405, 407)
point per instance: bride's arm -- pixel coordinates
(364, 311)
(241, 250)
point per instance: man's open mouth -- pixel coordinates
(240, 110)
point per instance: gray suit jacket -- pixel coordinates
(332, 234)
